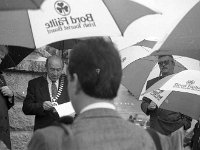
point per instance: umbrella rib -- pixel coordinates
(145, 48)
(11, 60)
(35, 3)
(31, 29)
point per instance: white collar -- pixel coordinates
(98, 105)
(50, 82)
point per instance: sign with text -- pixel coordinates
(158, 96)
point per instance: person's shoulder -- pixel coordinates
(154, 79)
(50, 138)
(52, 128)
(35, 80)
(55, 130)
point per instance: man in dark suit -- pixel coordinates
(46, 91)
(164, 121)
(94, 77)
(6, 102)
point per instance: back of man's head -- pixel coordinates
(98, 66)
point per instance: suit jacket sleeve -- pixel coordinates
(9, 103)
(146, 101)
(144, 105)
(187, 121)
(30, 105)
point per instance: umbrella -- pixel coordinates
(125, 12)
(20, 4)
(64, 45)
(146, 43)
(139, 67)
(184, 38)
(178, 92)
(68, 19)
(15, 55)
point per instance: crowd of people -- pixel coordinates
(93, 78)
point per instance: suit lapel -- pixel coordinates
(44, 89)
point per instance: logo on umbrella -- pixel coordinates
(157, 94)
(190, 82)
(189, 85)
(62, 8)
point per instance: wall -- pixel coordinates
(20, 124)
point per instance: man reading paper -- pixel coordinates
(45, 92)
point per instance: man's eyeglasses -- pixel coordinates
(162, 63)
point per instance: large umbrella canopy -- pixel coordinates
(184, 38)
(178, 92)
(125, 12)
(67, 19)
(15, 55)
(20, 4)
(155, 27)
(146, 43)
(137, 71)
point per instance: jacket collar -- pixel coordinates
(97, 113)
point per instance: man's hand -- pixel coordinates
(151, 106)
(6, 91)
(47, 105)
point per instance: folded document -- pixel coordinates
(64, 109)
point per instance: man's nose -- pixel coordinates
(55, 72)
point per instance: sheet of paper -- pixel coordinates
(64, 109)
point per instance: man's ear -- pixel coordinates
(77, 85)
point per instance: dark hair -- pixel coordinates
(97, 64)
(160, 56)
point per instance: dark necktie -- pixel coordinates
(54, 89)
